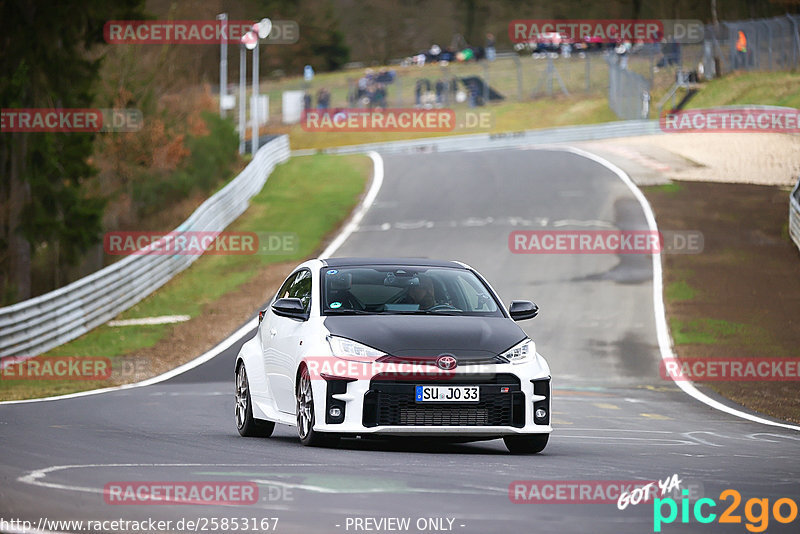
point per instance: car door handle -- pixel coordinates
(273, 332)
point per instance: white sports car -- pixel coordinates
(408, 347)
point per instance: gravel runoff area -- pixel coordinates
(745, 158)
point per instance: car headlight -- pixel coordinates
(521, 352)
(347, 349)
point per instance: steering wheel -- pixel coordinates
(354, 300)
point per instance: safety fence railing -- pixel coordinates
(37, 325)
(486, 141)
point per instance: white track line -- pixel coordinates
(369, 198)
(352, 225)
(664, 340)
(161, 319)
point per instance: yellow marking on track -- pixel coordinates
(606, 405)
(656, 416)
(658, 388)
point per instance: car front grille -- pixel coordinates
(392, 403)
(492, 359)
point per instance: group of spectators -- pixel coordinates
(370, 91)
(323, 100)
(553, 43)
(372, 88)
(436, 54)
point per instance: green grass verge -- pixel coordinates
(764, 88)
(679, 291)
(713, 332)
(309, 196)
(670, 188)
(508, 116)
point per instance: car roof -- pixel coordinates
(418, 262)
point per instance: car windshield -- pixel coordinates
(402, 290)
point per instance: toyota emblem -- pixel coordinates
(446, 362)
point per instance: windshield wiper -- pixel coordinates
(348, 311)
(424, 312)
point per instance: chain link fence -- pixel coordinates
(511, 77)
(764, 44)
(630, 79)
(628, 91)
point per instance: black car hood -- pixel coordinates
(429, 335)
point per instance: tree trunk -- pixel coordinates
(19, 249)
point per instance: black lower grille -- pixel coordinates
(393, 403)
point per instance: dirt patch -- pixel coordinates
(743, 291)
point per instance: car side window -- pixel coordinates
(469, 293)
(301, 289)
(283, 292)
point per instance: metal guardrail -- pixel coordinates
(794, 214)
(563, 134)
(37, 325)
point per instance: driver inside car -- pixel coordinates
(422, 294)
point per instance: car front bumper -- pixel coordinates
(385, 404)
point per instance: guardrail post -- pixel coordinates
(794, 214)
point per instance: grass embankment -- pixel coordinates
(740, 297)
(309, 196)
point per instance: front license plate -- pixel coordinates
(447, 394)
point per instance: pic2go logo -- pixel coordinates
(756, 511)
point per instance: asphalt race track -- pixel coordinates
(614, 417)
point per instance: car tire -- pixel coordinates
(530, 444)
(304, 396)
(243, 412)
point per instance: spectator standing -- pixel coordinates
(491, 51)
(741, 50)
(323, 99)
(440, 89)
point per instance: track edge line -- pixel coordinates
(662, 329)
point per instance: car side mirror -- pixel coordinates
(523, 309)
(290, 308)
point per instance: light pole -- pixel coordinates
(261, 29)
(249, 41)
(242, 94)
(254, 103)
(223, 63)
